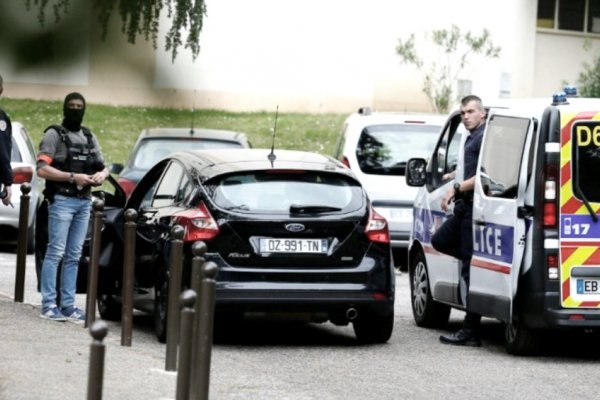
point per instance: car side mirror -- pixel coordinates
(115, 168)
(415, 172)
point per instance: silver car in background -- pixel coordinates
(23, 163)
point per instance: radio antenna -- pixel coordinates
(193, 112)
(272, 155)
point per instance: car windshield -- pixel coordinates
(151, 151)
(297, 192)
(385, 149)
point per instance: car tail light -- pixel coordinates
(377, 228)
(197, 223)
(22, 174)
(550, 197)
(127, 185)
(346, 162)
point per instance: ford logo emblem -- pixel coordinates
(295, 227)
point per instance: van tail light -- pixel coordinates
(550, 216)
(346, 162)
(197, 223)
(22, 174)
(126, 185)
(377, 228)
(552, 262)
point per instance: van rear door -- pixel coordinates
(499, 226)
(579, 205)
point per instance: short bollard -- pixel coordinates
(204, 334)
(128, 277)
(92, 282)
(22, 243)
(175, 269)
(198, 250)
(187, 299)
(98, 330)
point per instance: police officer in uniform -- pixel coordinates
(6, 177)
(455, 236)
(71, 161)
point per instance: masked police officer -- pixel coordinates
(71, 161)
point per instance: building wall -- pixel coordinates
(310, 56)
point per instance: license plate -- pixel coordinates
(315, 246)
(588, 286)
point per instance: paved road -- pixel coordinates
(46, 360)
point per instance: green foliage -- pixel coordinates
(589, 78)
(118, 127)
(455, 51)
(142, 17)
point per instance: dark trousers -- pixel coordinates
(455, 238)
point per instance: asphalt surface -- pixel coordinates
(41, 359)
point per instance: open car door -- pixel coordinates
(499, 224)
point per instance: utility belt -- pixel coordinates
(467, 197)
(69, 190)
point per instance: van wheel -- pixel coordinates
(371, 328)
(518, 339)
(427, 312)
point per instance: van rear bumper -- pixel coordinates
(543, 311)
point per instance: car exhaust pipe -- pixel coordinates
(351, 313)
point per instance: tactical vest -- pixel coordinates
(81, 159)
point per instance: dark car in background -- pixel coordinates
(154, 144)
(291, 232)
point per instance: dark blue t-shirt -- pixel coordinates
(6, 177)
(472, 147)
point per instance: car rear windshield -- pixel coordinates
(385, 149)
(287, 192)
(153, 150)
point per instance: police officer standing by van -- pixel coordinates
(71, 161)
(455, 236)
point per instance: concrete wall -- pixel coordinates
(310, 56)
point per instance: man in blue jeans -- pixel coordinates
(71, 162)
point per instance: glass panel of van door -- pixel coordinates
(498, 233)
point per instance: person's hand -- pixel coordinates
(447, 199)
(99, 178)
(6, 201)
(83, 180)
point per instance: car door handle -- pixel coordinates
(479, 222)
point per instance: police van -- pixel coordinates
(536, 235)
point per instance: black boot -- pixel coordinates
(463, 337)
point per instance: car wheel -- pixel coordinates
(518, 339)
(371, 328)
(31, 238)
(109, 308)
(426, 311)
(161, 296)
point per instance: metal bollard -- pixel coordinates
(187, 300)
(175, 270)
(204, 333)
(92, 282)
(98, 330)
(198, 250)
(22, 243)
(128, 277)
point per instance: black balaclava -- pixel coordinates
(73, 117)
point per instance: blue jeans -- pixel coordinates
(68, 219)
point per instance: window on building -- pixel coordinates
(569, 15)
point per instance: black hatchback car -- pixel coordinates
(291, 232)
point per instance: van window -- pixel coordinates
(502, 153)
(446, 156)
(586, 159)
(384, 149)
